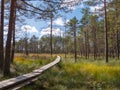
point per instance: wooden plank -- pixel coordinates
(45, 67)
(13, 82)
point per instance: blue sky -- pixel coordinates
(40, 27)
(40, 23)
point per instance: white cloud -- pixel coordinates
(20, 31)
(6, 29)
(96, 8)
(70, 4)
(29, 29)
(46, 31)
(67, 21)
(59, 21)
(5, 33)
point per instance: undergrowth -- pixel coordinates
(68, 75)
(24, 64)
(83, 75)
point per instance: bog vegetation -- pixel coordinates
(67, 75)
(93, 42)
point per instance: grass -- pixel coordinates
(67, 75)
(25, 64)
(83, 75)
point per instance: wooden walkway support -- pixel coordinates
(15, 83)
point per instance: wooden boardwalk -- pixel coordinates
(15, 83)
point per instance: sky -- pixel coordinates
(40, 27)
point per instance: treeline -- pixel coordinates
(36, 45)
(97, 33)
(99, 30)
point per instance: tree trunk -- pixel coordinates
(75, 46)
(117, 44)
(88, 47)
(26, 46)
(51, 34)
(1, 36)
(94, 42)
(8, 42)
(86, 54)
(65, 41)
(117, 33)
(106, 33)
(13, 44)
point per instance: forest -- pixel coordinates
(89, 43)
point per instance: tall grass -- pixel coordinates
(24, 64)
(83, 75)
(68, 75)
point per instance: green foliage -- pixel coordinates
(25, 64)
(83, 75)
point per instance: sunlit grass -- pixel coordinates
(95, 73)
(24, 64)
(93, 69)
(83, 75)
(67, 75)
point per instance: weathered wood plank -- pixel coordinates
(14, 82)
